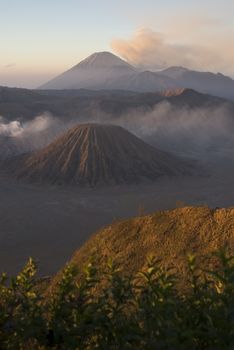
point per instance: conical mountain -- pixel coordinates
(99, 154)
(103, 59)
(94, 72)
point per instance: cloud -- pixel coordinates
(16, 129)
(195, 44)
(9, 128)
(201, 130)
(18, 138)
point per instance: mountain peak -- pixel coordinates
(103, 59)
(94, 72)
(99, 154)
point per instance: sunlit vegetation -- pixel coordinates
(109, 309)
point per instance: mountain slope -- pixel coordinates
(168, 235)
(205, 82)
(144, 82)
(94, 72)
(96, 153)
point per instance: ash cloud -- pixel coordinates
(154, 50)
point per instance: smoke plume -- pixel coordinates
(157, 50)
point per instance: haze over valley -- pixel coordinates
(106, 141)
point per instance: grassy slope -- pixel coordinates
(168, 235)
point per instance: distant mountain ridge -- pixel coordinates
(104, 70)
(205, 82)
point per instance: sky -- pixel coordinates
(41, 38)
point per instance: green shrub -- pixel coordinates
(111, 310)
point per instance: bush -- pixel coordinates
(110, 310)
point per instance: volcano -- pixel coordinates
(91, 154)
(97, 71)
(106, 71)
